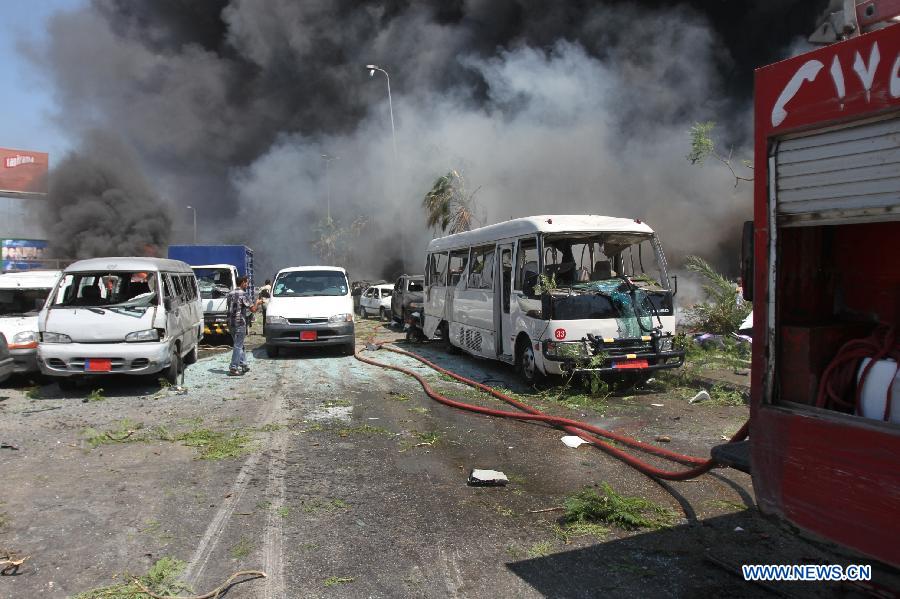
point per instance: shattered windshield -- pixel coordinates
(114, 290)
(22, 302)
(603, 275)
(214, 282)
(306, 283)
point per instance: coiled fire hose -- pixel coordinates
(840, 375)
(586, 431)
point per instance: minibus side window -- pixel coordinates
(437, 269)
(481, 273)
(167, 287)
(458, 261)
(527, 266)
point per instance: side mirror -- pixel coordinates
(675, 284)
(747, 247)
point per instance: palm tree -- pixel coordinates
(447, 206)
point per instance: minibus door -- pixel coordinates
(503, 325)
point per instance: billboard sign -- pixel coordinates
(22, 254)
(23, 172)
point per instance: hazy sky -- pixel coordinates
(26, 99)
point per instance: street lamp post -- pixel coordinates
(372, 68)
(327, 158)
(195, 223)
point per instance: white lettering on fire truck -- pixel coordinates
(810, 69)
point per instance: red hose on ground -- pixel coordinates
(701, 466)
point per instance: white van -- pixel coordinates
(311, 306)
(22, 295)
(555, 294)
(121, 316)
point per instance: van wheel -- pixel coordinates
(272, 351)
(362, 312)
(526, 364)
(191, 357)
(67, 383)
(383, 314)
(174, 368)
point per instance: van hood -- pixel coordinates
(87, 326)
(310, 307)
(11, 326)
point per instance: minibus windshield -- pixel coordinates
(126, 290)
(308, 283)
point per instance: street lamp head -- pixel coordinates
(372, 66)
(190, 207)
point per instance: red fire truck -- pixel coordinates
(823, 255)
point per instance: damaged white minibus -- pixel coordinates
(555, 294)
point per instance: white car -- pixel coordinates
(311, 306)
(22, 295)
(376, 300)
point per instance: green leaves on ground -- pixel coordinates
(589, 506)
(161, 579)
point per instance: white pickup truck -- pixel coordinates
(215, 282)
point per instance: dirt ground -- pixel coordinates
(340, 479)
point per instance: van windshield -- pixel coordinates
(306, 283)
(114, 290)
(214, 282)
(22, 302)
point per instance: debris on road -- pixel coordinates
(573, 441)
(663, 438)
(657, 405)
(702, 396)
(487, 478)
(9, 446)
(10, 562)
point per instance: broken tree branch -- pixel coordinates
(230, 581)
(8, 564)
(549, 509)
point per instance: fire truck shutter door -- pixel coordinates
(838, 176)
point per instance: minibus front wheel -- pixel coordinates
(526, 363)
(174, 368)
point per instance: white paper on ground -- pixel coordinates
(573, 441)
(488, 475)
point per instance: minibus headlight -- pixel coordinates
(341, 318)
(276, 319)
(138, 336)
(665, 344)
(24, 340)
(55, 338)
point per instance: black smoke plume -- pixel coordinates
(100, 204)
(547, 106)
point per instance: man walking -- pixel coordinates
(240, 308)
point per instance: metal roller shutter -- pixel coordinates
(839, 176)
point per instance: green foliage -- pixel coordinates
(702, 144)
(541, 549)
(545, 284)
(33, 392)
(241, 550)
(448, 207)
(334, 242)
(722, 313)
(121, 434)
(161, 579)
(610, 507)
(336, 580)
(215, 445)
(95, 395)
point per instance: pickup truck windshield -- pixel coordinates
(307, 283)
(113, 290)
(21, 302)
(214, 282)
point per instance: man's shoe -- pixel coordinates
(245, 369)
(234, 372)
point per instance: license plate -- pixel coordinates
(308, 336)
(98, 365)
(626, 364)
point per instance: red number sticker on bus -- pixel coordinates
(560, 334)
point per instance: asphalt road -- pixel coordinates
(353, 484)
